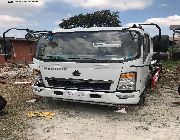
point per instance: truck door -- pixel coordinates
(146, 59)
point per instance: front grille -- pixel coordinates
(79, 84)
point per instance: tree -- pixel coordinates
(104, 18)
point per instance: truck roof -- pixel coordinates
(97, 29)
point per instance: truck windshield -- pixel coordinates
(90, 46)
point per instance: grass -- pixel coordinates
(171, 64)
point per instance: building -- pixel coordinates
(23, 50)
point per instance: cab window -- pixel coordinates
(146, 47)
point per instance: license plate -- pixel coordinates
(79, 94)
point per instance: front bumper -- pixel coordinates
(114, 98)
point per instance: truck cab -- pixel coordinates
(99, 65)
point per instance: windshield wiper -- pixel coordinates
(93, 60)
(88, 58)
(81, 58)
(55, 58)
(74, 58)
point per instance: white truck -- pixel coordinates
(99, 65)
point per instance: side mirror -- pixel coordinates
(28, 36)
(7, 49)
(161, 45)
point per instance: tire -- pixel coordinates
(179, 90)
(142, 98)
(3, 103)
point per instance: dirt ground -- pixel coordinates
(158, 119)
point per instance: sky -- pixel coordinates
(47, 14)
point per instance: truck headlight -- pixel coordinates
(37, 78)
(127, 82)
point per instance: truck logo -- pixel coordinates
(76, 73)
(49, 68)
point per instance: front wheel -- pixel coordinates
(142, 98)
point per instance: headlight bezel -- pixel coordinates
(127, 82)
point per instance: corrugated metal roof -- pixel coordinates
(17, 39)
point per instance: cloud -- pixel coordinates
(120, 5)
(56, 29)
(16, 34)
(170, 20)
(13, 21)
(57, 22)
(20, 8)
(164, 23)
(163, 5)
(10, 21)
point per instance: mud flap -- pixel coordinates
(155, 78)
